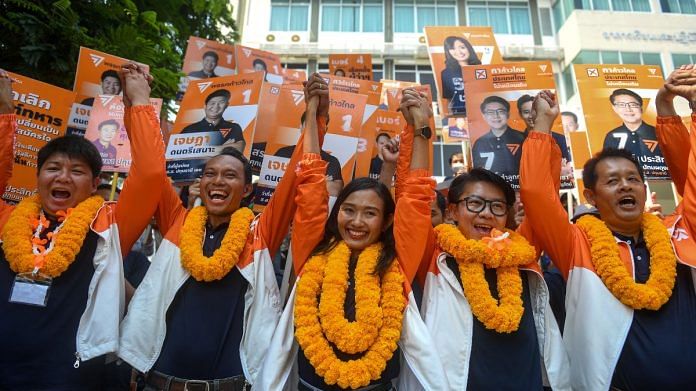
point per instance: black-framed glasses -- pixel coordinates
(476, 204)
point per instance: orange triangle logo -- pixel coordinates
(651, 144)
(513, 148)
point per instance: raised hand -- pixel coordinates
(545, 110)
(418, 108)
(682, 82)
(654, 207)
(136, 85)
(6, 103)
(316, 88)
(390, 151)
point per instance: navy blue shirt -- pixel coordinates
(375, 167)
(205, 324)
(499, 154)
(453, 90)
(306, 370)
(660, 350)
(502, 361)
(38, 343)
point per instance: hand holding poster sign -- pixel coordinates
(107, 132)
(619, 108)
(42, 111)
(452, 47)
(215, 113)
(499, 106)
(352, 66)
(255, 60)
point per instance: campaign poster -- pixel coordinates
(450, 48)
(214, 114)
(106, 130)
(338, 150)
(97, 74)
(618, 102)
(280, 107)
(293, 76)
(353, 66)
(499, 105)
(42, 112)
(386, 125)
(205, 59)
(256, 60)
(456, 130)
(393, 84)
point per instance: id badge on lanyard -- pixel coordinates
(31, 289)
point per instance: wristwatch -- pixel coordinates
(424, 132)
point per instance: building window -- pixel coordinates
(410, 16)
(506, 17)
(422, 74)
(563, 8)
(352, 16)
(289, 15)
(679, 6)
(682, 59)
(545, 22)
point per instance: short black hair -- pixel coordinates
(589, 171)
(234, 152)
(522, 100)
(223, 93)
(623, 91)
(441, 202)
(570, 114)
(495, 99)
(453, 155)
(383, 134)
(212, 54)
(75, 147)
(480, 175)
(110, 73)
(260, 62)
(109, 122)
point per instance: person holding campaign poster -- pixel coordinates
(215, 105)
(211, 286)
(351, 321)
(631, 299)
(61, 271)
(110, 85)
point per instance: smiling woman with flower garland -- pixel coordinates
(351, 321)
(61, 273)
(485, 301)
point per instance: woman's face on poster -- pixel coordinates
(459, 51)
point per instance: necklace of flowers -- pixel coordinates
(310, 331)
(504, 252)
(608, 264)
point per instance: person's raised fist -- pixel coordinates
(390, 151)
(545, 110)
(136, 85)
(6, 103)
(318, 89)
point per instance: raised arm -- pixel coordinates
(8, 126)
(141, 190)
(540, 184)
(390, 152)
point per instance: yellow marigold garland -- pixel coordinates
(608, 265)
(212, 268)
(18, 232)
(357, 336)
(310, 335)
(501, 315)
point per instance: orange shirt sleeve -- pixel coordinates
(8, 127)
(673, 139)
(689, 200)
(312, 201)
(403, 164)
(413, 231)
(141, 190)
(539, 186)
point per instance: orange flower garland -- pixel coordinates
(213, 268)
(608, 265)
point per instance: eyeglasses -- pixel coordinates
(631, 105)
(476, 204)
(495, 113)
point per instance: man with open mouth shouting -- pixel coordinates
(631, 303)
(61, 273)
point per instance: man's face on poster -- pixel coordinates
(107, 133)
(381, 142)
(111, 86)
(569, 124)
(526, 114)
(215, 107)
(460, 123)
(628, 108)
(259, 67)
(209, 64)
(496, 115)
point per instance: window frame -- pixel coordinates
(348, 4)
(289, 4)
(449, 5)
(507, 6)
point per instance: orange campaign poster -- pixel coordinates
(452, 47)
(280, 107)
(353, 66)
(97, 74)
(107, 131)
(456, 130)
(215, 113)
(255, 60)
(618, 102)
(42, 115)
(393, 84)
(205, 59)
(293, 76)
(499, 103)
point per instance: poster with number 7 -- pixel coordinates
(215, 113)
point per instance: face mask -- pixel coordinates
(457, 166)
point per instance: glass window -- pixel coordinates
(587, 57)
(404, 19)
(611, 57)
(478, 16)
(558, 15)
(330, 18)
(652, 59)
(568, 82)
(687, 6)
(410, 16)
(545, 22)
(503, 17)
(621, 5)
(641, 5)
(602, 5)
(630, 58)
(681, 59)
(372, 18)
(519, 20)
(289, 15)
(426, 17)
(352, 15)
(279, 17)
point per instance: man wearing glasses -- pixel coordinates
(634, 135)
(499, 150)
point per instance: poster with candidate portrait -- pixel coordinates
(618, 102)
(353, 66)
(385, 126)
(205, 59)
(214, 114)
(255, 60)
(450, 48)
(97, 74)
(42, 115)
(293, 76)
(106, 130)
(499, 106)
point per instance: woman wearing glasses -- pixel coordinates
(485, 301)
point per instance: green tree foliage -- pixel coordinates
(42, 38)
